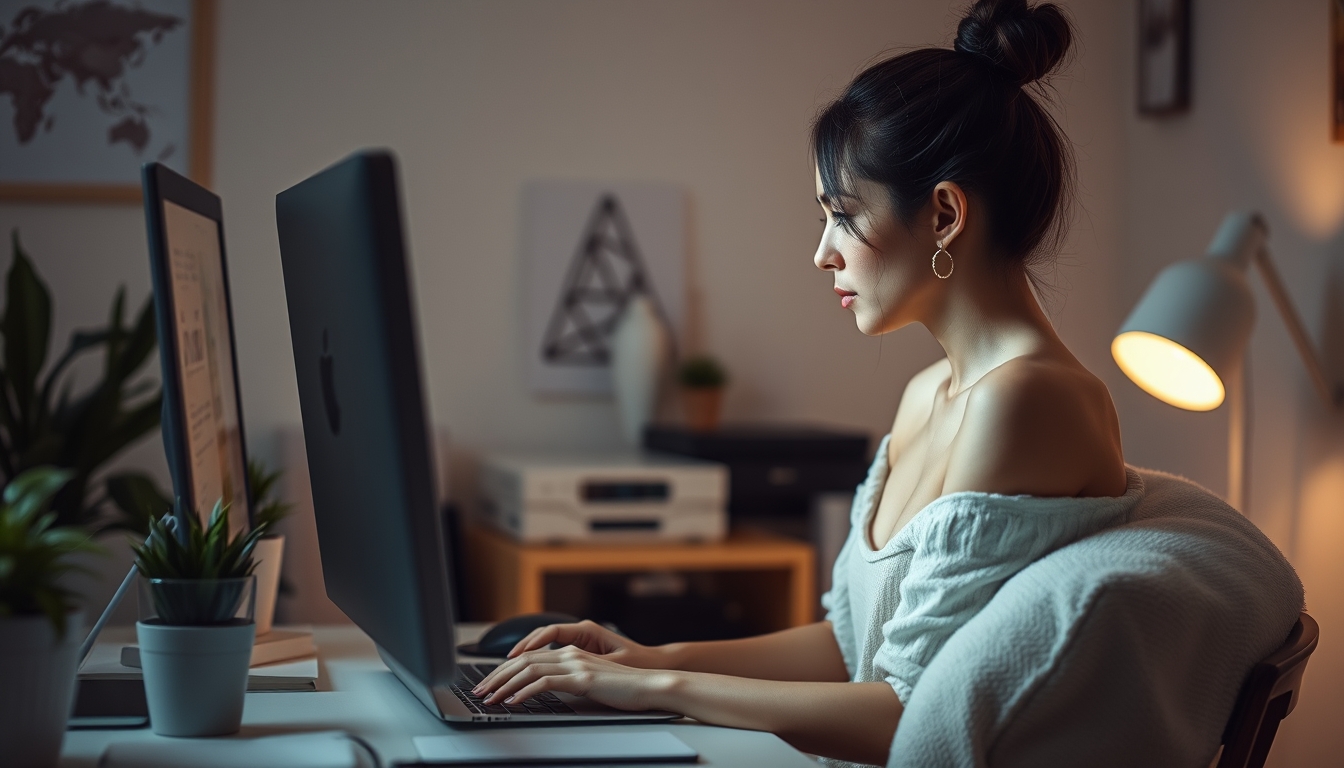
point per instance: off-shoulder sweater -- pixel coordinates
(892, 609)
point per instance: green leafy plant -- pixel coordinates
(44, 422)
(702, 372)
(34, 551)
(203, 566)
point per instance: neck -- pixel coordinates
(984, 321)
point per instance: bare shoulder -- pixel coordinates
(917, 403)
(1040, 426)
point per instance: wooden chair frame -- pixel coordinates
(1268, 695)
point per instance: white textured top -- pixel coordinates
(894, 608)
(1125, 648)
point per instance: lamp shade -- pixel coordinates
(1188, 333)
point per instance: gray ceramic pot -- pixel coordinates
(37, 681)
(195, 677)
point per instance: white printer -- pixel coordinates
(604, 497)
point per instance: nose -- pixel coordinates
(827, 256)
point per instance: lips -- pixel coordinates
(846, 297)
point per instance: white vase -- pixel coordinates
(268, 555)
(195, 677)
(37, 686)
(639, 352)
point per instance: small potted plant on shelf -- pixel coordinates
(198, 594)
(702, 380)
(40, 628)
(269, 553)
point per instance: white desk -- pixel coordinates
(358, 694)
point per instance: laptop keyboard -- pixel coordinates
(545, 703)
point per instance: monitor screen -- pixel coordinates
(215, 465)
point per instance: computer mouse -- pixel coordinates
(500, 639)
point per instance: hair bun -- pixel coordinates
(1024, 44)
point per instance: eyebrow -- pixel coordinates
(825, 199)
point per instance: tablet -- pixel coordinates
(552, 747)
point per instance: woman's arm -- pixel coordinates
(847, 721)
(802, 654)
(808, 653)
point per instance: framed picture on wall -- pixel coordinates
(1337, 70)
(588, 249)
(91, 89)
(1164, 56)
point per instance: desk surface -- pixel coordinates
(358, 694)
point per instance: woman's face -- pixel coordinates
(879, 281)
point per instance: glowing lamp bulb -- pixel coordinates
(1168, 371)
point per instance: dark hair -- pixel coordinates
(962, 115)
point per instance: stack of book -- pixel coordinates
(282, 660)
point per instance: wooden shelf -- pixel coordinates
(775, 575)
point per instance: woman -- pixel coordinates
(942, 181)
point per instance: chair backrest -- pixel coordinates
(1269, 694)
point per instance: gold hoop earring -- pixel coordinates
(950, 263)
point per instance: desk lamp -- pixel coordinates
(1184, 343)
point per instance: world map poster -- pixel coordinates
(92, 89)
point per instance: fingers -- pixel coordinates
(510, 668)
(511, 690)
(584, 634)
(578, 683)
(537, 638)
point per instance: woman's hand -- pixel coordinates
(576, 671)
(595, 639)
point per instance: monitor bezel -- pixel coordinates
(159, 184)
(369, 180)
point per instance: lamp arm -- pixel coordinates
(1332, 394)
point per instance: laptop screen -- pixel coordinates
(215, 466)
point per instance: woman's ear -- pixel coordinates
(949, 212)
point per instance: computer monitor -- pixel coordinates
(352, 325)
(202, 410)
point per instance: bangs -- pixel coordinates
(833, 136)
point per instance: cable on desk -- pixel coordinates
(373, 754)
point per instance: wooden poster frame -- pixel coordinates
(200, 130)
(1179, 75)
(1337, 71)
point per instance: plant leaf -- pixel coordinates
(80, 341)
(26, 325)
(137, 497)
(139, 343)
(28, 494)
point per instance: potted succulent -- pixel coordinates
(702, 380)
(198, 595)
(40, 628)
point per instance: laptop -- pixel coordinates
(352, 324)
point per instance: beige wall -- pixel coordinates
(479, 97)
(1257, 137)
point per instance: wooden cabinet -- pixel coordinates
(771, 577)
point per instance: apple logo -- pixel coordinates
(329, 388)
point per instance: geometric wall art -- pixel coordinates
(588, 249)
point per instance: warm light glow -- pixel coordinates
(1168, 371)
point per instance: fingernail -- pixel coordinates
(509, 700)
